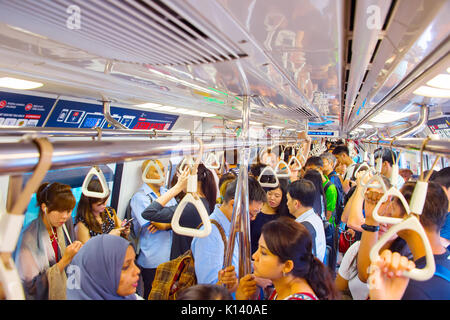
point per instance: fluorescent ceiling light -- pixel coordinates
(366, 126)
(19, 84)
(149, 105)
(275, 127)
(250, 122)
(387, 116)
(441, 81)
(432, 92)
(448, 70)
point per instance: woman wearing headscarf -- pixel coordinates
(104, 269)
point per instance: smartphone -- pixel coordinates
(128, 222)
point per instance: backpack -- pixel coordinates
(340, 198)
(175, 275)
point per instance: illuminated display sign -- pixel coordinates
(323, 133)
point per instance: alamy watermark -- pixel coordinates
(73, 22)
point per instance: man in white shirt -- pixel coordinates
(342, 155)
(300, 200)
(388, 157)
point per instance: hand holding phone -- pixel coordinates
(127, 223)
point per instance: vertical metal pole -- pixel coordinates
(240, 220)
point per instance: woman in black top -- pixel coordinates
(190, 218)
(275, 207)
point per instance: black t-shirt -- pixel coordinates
(190, 218)
(256, 226)
(436, 288)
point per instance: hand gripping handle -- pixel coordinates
(411, 223)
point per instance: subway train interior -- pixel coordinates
(90, 90)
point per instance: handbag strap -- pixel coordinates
(222, 234)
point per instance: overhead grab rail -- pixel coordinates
(11, 223)
(88, 153)
(193, 198)
(411, 222)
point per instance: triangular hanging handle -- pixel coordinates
(212, 161)
(268, 184)
(190, 232)
(154, 164)
(411, 223)
(11, 223)
(362, 165)
(295, 159)
(390, 220)
(370, 182)
(283, 175)
(95, 171)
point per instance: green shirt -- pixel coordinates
(330, 195)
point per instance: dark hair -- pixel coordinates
(290, 240)
(256, 168)
(282, 209)
(84, 209)
(320, 200)
(227, 176)
(304, 191)
(56, 196)
(209, 188)
(386, 155)
(314, 161)
(255, 191)
(341, 149)
(442, 177)
(205, 292)
(435, 208)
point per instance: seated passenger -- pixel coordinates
(45, 251)
(300, 201)
(154, 244)
(104, 269)
(158, 211)
(273, 208)
(285, 257)
(94, 217)
(209, 251)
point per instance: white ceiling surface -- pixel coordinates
(293, 53)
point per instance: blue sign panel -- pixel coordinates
(23, 110)
(322, 133)
(71, 114)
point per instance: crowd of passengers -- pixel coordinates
(311, 235)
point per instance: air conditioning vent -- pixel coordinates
(141, 31)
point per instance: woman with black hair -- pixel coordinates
(273, 208)
(46, 248)
(285, 257)
(94, 217)
(320, 200)
(190, 218)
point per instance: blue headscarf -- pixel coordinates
(94, 272)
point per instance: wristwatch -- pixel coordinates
(366, 227)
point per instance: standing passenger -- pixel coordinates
(300, 200)
(284, 256)
(45, 252)
(154, 244)
(158, 211)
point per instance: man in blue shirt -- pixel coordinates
(209, 251)
(155, 245)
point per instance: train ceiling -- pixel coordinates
(350, 65)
